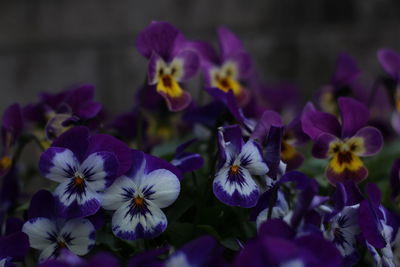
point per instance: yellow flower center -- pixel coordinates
(234, 169)
(168, 85)
(5, 162)
(345, 155)
(139, 201)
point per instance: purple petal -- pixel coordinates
(15, 245)
(188, 162)
(177, 103)
(346, 70)
(345, 176)
(148, 258)
(80, 100)
(103, 259)
(206, 52)
(276, 228)
(228, 42)
(395, 121)
(268, 118)
(354, 115)
(191, 63)
(158, 37)
(230, 138)
(339, 197)
(373, 140)
(244, 63)
(206, 115)
(12, 121)
(354, 195)
(76, 140)
(155, 163)
(321, 146)
(315, 122)
(395, 178)
(58, 164)
(369, 225)
(42, 205)
(108, 143)
(390, 61)
(374, 194)
(273, 151)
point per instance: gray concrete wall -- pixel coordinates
(50, 44)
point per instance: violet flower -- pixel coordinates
(84, 166)
(170, 62)
(50, 234)
(343, 143)
(238, 161)
(230, 69)
(138, 197)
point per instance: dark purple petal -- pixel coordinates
(155, 163)
(108, 143)
(158, 37)
(76, 140)
(373, 140)
(80, 101)
(339, 197)
(268, 118)
(273, 150)
(390, 61)
(374, 194)
(148, 258)
(13, 225)
(354, 195)
(395, 178)
(42, 205)
(346, 70)
(126, 125)
(243, 62)
(103, 259)
(321, 146)
(76, 210)
(370, 225)
(206, 115)
(15, 245)
(276, 228)
(178, 103)
(315, 122)
(347, 175)
(188, 162)
(191, 63)
(228, 42)
(233, 135)
(354, 115)
(294, 128)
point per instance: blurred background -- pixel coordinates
(47, 45)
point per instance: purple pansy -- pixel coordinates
(84, 165)
(378, 227)
(343, 143)
(238, 161)
(230, 69)
(187, 161)
(170, 62)
(58, 112)
(276, 245)
(11, 128)
(68, 259)
(138, 197)
(50, 234)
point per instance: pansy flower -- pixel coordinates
(230, 69)
(238, 161)
(11, 129)
(50, 234)
(378, 227)
(138, 197)
(85, 166)
(343, 143)
(170, 62)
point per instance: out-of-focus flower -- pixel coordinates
(68, 259)
(230, 69)
(50, 234)
(277, 245)
(11, 129)
(138, 197)
(170, 62)
(343, 143)
(84, 166)
(187, 161)
(238, 161)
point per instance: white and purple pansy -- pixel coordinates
(138, 197)
(85, 166)
(50, 234)
(170, 62)
(238, 161)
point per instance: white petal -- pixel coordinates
(253, 156)
(63, 163)
(82, 234)
(39, 230)
(163, 187)
(67, 197)
(48, 253)
(139, 225)
(117, 194)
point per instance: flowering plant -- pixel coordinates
(243, 174)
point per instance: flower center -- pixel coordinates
(5, 162)
(61, 244)
(139, 201)
(78, 180)
(234, 169)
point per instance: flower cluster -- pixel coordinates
(243, 174)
